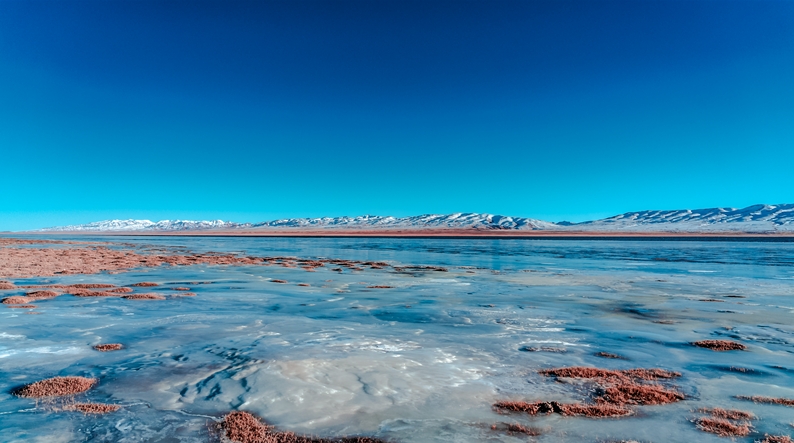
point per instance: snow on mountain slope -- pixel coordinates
(457, 220)
(146, 225)
(757, 218)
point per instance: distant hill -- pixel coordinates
(752, 219)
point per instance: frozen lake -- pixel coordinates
(423, 360)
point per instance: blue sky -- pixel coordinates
(559, 109)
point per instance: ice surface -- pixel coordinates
(421, 361)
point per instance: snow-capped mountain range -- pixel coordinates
(752, 219)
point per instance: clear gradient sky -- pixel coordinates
(249, 111)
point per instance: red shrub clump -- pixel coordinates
(16, 300)
(567, 409)
(145, 284)
(635, 394)
(777, 439)
(722, 427)
(145, 296)
(770, 400)
(92, 285)
(728, 414)
(243, 427)
(93, 408)
(720, 345)
(109, 347)
(42, 294)
(6, 285)
(56, 387)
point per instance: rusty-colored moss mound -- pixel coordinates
(770, 400)
(722, 427)
(607, 374)
(184, 294)
(275, 280)
(42, 294)
(56, 387)
(609, 355)
(145, 284)
(728, 414)
(635, 394)
(595, 411)
(243, 427)
(79, 292)
(144, 296)
(92, 285)
(303, 284)
(379, 287)
(544, 349)
(16, 300)
(23, 306)
(517, 428)
(106, 347)
(5, 285)
(566, 409)
(776, 439)
(181, 288)
(120, 290)
(92, 408)
(720, 345)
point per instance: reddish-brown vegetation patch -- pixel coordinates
(77, 292)
(275, 280)
(770, 400)
(728, 414)
(609, 355)
(544, 349)
(92, 408)
(23, 306)
(120, 290)
(181, 288)
(56, 387)
(722, 427)
(777, 439)
(42, 294)
(16, 300)
(379, 287)
(144, 296)
(303, 284)
(566, 409)
(635, 394)
(606, 374)
(145, 284)
(720, 345)
(184, 294)
(595, 411)
(5, 285)
(521, 429)
(243, 427)
(92, 285)
(109, 347)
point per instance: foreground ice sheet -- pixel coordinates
(421, 361)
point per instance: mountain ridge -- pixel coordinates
(752, 219)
